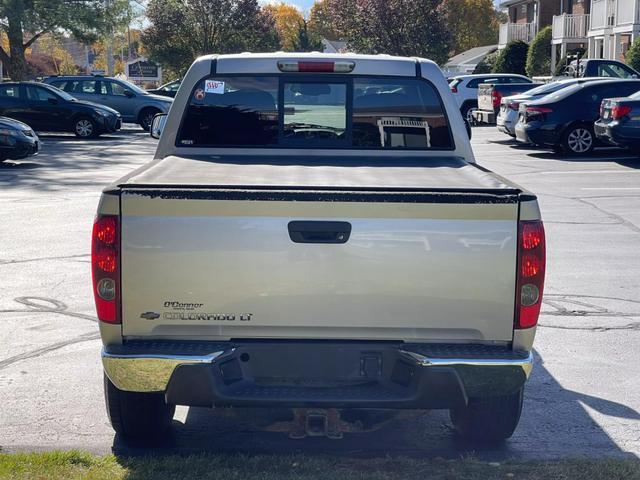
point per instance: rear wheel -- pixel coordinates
(467, 112)
(578, 139)
(490, 419)
(146, 118)
(144, 416)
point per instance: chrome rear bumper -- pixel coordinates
(374, 375)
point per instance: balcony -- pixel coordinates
(626, 12)
(603, 14)
(567, 27)
(516, 31)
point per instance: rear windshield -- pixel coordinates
(315, 112)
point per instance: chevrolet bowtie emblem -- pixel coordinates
(150, 315)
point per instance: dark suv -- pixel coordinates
(134, 104)
(45, 108)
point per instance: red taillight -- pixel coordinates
(496, 97)
(619, 111)
(315, 66)
(513, 106)
(105, 267)
(536, 111)
(454, 89)
(531, 267)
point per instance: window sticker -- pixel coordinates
(214, 86)
(199, 95)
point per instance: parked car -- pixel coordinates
(490, 95)
(464, 88)
(46, 108)
(17, 140)
(274, 253)
(167, 90)
(564, 120)
(619, 122)
(509, 106)
(134, 104)
(598, 67)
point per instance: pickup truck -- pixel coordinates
(596, 67)
(314, 234)
(490, 96)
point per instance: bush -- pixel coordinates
(539, 54)
(487, 63)
(632, 57)
(512, 58)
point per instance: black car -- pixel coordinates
(46, 108)
(619, 122)
(17, 140)
(168, 89)
(564, 120)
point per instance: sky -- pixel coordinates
(304, 5)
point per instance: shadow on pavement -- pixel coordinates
(619, 156)
(554, 424)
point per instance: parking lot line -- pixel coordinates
(610, 188)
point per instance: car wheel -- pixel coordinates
(578, 139)
(490, 419)
(467, 113)
(143, 416)
(146, 118)
(84, 127)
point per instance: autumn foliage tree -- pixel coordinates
(25, 21)
(473, 23)
(289, 22)
(396, 27)
(320, 22)
(181, 30)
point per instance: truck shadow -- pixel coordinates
(555, 424)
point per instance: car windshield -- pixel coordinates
(547, 88)
(132, 87)
(61, 93)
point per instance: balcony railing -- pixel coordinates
(625, 12)
(517, 31)
(567, 26)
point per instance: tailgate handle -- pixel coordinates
(319, 232)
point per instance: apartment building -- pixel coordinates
(570, 28)
(526, 18)
(614, 25)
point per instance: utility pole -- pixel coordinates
(109, 42)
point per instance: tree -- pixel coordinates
(306, 41)
(289, 21)
(321, 23)
(62, 59)
(396, 27)
(539, 54)
(473, 23)
(512, 58)
(632, 57)
(181, 30)
(487, 63)
(25, 21)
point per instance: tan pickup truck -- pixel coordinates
(314, 234)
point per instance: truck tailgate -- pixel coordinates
(431, 254)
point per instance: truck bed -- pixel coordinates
(336, 173)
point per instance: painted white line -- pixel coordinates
(555, 172)
(611, 188)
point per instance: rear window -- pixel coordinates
(311, 112)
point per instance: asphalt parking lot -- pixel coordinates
(583, 397)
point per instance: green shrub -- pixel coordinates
(632, 57)
(512, 58)
(487, 63)
(539, 54)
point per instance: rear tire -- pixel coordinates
(490, 419)
(578, 139)
(143, 416)
(466, 112)
(146, 118)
